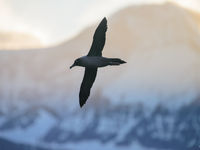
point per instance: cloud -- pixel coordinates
(55, 21)
(192, 4)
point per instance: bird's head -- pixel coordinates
(76, 63)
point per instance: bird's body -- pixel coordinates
(96, 61)
(93, 61)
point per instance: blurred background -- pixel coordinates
(150, 103)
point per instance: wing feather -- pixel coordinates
(99, 39)
(86, 85)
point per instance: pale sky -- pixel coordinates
(54, 21)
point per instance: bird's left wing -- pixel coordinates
(99, 39)
(88, 80)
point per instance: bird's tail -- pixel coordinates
(116, 61)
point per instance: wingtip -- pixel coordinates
(81, 105)
(81, 102)
(104, 19)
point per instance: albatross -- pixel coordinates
(93, 61)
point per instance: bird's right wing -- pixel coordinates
(88, 80)
(99, 39)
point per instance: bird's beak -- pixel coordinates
(72, 66)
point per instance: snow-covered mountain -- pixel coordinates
(16, 41)
(152, 102)
(119, 127)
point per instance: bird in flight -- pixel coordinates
(93, 61)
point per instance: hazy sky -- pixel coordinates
(54, 21)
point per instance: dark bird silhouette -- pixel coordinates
(94, 60)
